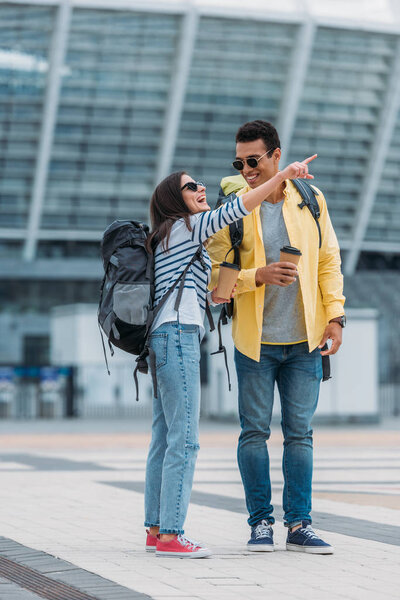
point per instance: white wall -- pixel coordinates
(14, 328)
(75, 340)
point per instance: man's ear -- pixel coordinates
(277, 154)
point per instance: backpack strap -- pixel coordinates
(104, 349)
(181, 279)
(236, 235)
(197, 256)
(235, 229)
(236, 232)
(98, 323)
(209, 317)
(309, 199)
(326, 365)
(221, 348)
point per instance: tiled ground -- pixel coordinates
(75, 491)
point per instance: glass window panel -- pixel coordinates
(238, 74)
(25, 37)
(119, 69)
(340, 112)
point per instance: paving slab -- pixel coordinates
(72, 512)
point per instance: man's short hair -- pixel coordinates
(259, 130)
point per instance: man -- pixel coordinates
(283, 316)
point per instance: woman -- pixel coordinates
(182, 222)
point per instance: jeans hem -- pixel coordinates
(268, 518)
(149, 524)
(166, 531)
(298, 521)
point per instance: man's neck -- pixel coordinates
(277, 195)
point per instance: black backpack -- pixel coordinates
(125, 311)
(309, 198)
(127, 289)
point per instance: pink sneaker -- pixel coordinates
(181, 547)
(151, 542)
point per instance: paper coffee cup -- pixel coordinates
(290, 254)
(228, 274)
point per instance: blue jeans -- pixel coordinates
(298, 374)
(175, 429)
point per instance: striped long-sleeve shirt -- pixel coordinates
(181, 248)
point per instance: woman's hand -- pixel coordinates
(256, 196)
(218, 300)
(298, 169)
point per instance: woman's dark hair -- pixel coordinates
(166, 207)
(259, 130)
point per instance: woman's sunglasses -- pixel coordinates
(251, 161)
(192, 186)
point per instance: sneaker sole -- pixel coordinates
(200, 554)
(150, 548)
(260, 547)
(309, 549)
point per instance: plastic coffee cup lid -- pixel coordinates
(230, 266)
(291, 250)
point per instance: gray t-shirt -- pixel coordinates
(283, 318)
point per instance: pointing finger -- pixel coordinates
(309, 159)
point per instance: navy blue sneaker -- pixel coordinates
(262, 538)
(304, 539)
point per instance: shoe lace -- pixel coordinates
(309, 532)
(191, 544)
(262, 529)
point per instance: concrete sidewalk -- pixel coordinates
(72, 512)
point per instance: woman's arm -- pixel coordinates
(206, 224)
(297, 169)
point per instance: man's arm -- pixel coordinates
(330, 279)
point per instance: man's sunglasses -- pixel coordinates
(252, 161)
(192, 186)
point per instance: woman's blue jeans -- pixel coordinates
(175, 429)
(298, 374)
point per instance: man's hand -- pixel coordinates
(333, 332)
(279, 273)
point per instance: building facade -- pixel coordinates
(101, 99)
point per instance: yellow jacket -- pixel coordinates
(320, 277)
